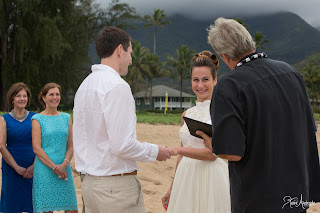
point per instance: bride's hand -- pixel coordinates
(206, 139)
(175, 151)
(165, 199)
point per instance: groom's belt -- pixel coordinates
(131, 173)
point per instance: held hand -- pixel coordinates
(175, 151)
(165, 199)
(21, 171)
(60, 171)
(164, 153)
(206, 138)
(61, 175)
(29, 173)
(64, 175)
(60, 168)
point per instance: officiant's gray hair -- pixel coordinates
(229, 37)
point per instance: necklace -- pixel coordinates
(14, 115)
(250, 58)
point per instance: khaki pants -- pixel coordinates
(115, 194)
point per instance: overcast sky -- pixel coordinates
(309, 10)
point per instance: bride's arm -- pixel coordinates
(199, 154)
(207, 141)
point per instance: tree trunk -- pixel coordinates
(181, 91)
(154, 40)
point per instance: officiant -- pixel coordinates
(264, 125)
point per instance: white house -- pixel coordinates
(158, 100)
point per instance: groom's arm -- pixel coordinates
(120, 122)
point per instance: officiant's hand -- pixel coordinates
(164, 153)
(207, 139)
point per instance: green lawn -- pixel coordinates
(158, 118)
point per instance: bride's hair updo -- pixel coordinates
(205, 59)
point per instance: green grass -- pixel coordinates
(158, 118)
(316, 116)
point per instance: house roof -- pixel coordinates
(160, 91)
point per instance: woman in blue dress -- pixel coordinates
(17, 153)
(53, 186)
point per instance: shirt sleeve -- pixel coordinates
(120, 119)
(229, 134)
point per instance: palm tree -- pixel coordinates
(138, 70)
(241, 21)
(181, 65)
(261, 40)
(157, 19)
(156, 70)
(120, 15)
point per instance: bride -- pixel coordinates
(201, 182)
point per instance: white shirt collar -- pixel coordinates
(102, 67)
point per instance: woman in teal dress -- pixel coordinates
(17, 153)
(53, 186)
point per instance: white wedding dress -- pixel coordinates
(199, 186)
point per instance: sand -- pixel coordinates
(156, 177)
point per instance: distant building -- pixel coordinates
(158, 100)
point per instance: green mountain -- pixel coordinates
(291, 38)
(312, 59)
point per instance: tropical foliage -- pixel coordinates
(145, 66)
(139, 69)
(259, 38)
(310, 71)
(157, 19)
(45, 41)
(180, 65)
(120, 15)
(311, 75)
(48, 41)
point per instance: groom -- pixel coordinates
(104, 131)
(263, 124)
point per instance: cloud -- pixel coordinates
(308, 9)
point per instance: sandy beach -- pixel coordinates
(156, 177)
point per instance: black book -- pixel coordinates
(194, 125)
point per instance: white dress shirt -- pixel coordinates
(104, 126)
